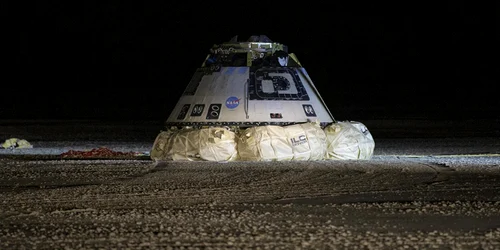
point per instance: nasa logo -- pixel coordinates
(232, 102)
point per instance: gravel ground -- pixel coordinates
(418, 192)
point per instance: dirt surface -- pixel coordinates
(422, 191)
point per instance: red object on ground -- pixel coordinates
(96, 153)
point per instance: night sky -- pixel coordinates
(131, 60)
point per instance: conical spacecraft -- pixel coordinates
(253, 101)
(249, 83)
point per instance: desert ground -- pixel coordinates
(429, 184)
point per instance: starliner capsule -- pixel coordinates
(253, 101)
(251, 83)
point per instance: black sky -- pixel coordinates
(131, 60)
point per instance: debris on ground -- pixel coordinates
(14, 143)
(102, 152)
